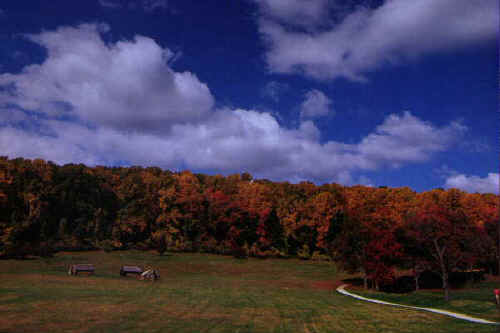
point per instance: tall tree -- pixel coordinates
(439, 227)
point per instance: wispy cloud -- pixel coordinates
(110, 3)
(274, 90)
(146, 5)
(306, 14)
(316, 104)
(300, 39)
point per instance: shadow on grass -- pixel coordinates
(357, 282)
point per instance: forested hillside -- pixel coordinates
(46, 208)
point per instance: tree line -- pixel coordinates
(46, 208)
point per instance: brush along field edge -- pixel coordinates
(342, 290)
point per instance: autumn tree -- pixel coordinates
(44, 206)
(439, 227)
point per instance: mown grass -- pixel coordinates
(476, 299)
(196, 293)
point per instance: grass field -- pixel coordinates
(196, 293)
(477, 300)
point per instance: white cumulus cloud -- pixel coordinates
(126, 85)
(108, 103)
(401, 139)
(473, 184)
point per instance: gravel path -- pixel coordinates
(342, 290)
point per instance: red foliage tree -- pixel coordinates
(441, 230)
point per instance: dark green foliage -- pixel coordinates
(275, 231)
(334, 228)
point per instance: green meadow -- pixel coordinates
(476, 300)
(210, 293)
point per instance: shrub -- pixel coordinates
(106, 245)
(241, 252)
(304, 253)
(318, 256)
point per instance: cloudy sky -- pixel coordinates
(394, 93)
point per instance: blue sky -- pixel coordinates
(396, 93)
